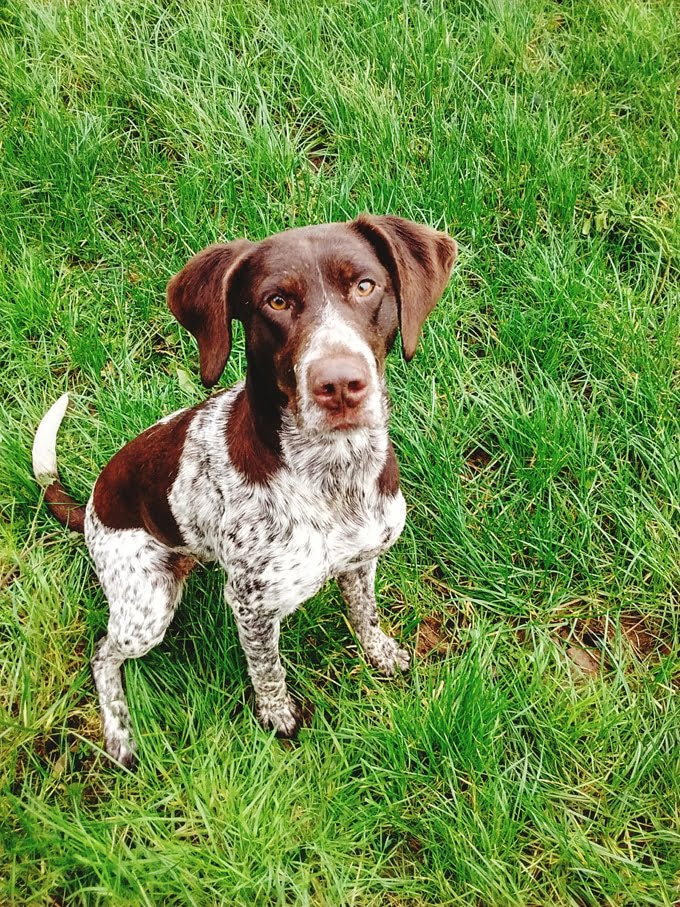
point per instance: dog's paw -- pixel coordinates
(285, 718)
(122, 749)
(386, 656)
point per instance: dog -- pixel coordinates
(286, 479)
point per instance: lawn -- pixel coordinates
(531, 756)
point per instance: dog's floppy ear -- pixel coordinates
(199, 298)
(419, 260)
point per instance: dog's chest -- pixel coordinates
(280, 542)
(309, 540)
(361, 528)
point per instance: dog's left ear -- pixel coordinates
(200, 298)
(419, 260)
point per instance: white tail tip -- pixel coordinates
(45, 442)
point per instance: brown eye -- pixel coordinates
(365, 286)
(278, 303)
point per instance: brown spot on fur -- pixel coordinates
(388, 480)
(181, 565)
(132, 490)
(253, 447)
(65, 508)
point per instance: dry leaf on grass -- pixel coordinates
(584, 660)
(590, 640)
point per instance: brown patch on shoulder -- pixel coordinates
(132, 490)
(254, 457)
(388, 480)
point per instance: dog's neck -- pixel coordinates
(348, 459)
(265, 404)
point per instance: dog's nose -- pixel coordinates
(339, 382)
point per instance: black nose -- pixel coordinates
(339, 381)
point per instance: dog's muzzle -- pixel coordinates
(339, 385)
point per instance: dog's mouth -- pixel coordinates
(346, 421)
(313, 419)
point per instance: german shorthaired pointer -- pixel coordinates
(286, 479)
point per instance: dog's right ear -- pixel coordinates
(199, 298)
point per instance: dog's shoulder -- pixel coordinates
(133, 488)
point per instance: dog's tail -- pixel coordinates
(68, 511)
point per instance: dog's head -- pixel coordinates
(321, 307)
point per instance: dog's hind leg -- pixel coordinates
(142, 580)
(106, 670)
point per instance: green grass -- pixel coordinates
(538, 433)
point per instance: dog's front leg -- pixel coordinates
(358, 590)
(258, 630)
